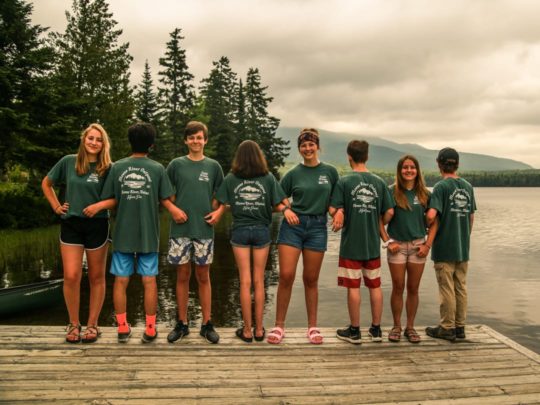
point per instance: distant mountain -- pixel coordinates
(384, 154)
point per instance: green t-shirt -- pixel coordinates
(364, 197)
(453, 198)
(196, 183)
(408, 225)
(310, 187)
(138, 185)
(81, 191)
(251, 200)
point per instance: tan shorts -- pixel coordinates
(407, 253)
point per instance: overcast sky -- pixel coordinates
(438, 73)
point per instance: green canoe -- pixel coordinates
(30, 296)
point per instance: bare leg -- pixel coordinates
(183, 274)
(119, 294)
(288, 259)
(202, 273)
(97, 260)
(242, 256)
(72, 263)
(397, 271)
(376, 301)
(260, 256)
(353, 303)
(414, 275)
(312, 268)
(150, 294)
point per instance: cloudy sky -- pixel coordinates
(464, 73)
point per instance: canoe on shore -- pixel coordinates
(30, 296)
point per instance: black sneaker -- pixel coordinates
(179, 331)
(460, 332)
(123, 337)
(350, 334)
(375, 333)
(148, 338)
(209, 333)
(438, 332)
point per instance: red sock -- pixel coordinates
(121, 320)
(150, 325)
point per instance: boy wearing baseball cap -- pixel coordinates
(452, 203)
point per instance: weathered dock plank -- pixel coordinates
(36, 366)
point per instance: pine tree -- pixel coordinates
(176, 93)
(260, 126)
(93, 69)
(36, 128)
(145, 98)
(240, 114)
(219, 93)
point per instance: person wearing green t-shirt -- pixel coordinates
(303, 231)
(136, 186)
(452, 204)
(359, 202)
(251, 191)
(83, 175)
(406, 243)
(195, 178)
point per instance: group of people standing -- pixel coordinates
(409, 219)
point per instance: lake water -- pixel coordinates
(503, 278)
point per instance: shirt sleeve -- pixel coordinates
(58, 173)
(286, 183)
(222, 193)
(436, 200)
(218, 177)
(388, 200)
(277, 192)
(165, 187)
(336, 200)
(108, 187)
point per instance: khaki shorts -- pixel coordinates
(407, 253)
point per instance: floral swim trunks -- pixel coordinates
(183, 250)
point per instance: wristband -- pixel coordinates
(385, 244)
(56, 209)
(285, 209)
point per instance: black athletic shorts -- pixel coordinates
(90, 233)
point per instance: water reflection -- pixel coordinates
(503, 278)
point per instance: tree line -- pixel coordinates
(53, 85)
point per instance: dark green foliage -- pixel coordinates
(93, 70)
(23, 208)
(176, 95)
(259, 125)
(219, 91)
(146, 99)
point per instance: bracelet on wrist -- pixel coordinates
(285, 209)
(56, 209)
(385, 244)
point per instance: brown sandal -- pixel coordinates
(412, 336)
(91, 334)
(395, 334)
(73, 333)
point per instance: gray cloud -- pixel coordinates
(463, 72)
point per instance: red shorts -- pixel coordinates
(351, 271)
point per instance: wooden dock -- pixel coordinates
(36, 366)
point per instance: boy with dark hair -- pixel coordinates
(196, 178)
(363, 199)
(452, 203)
(136, 185)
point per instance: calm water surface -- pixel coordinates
(503, 280)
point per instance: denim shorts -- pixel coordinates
(255, 236)
(123, 264)
(311, 233)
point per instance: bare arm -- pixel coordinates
(213, 217)
(178, 215)
(285, 208)
(423, 250)
(387, 216)
(93, 209)
(471, 216)
(338, 218)
(50, 195)
(430, 216)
